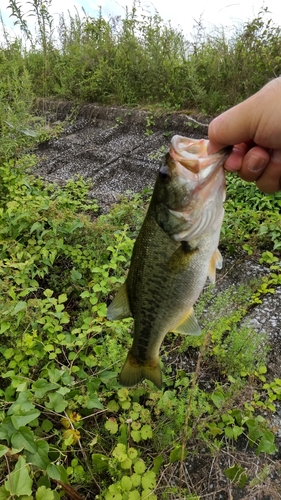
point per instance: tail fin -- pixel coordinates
(133, 372)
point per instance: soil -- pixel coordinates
(120, 150)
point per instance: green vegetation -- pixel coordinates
(65, 421)
(66, 426)
(136, 61)
(252, 219)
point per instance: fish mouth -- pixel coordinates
(192, 155)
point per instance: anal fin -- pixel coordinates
(188, 325)
(119, 307)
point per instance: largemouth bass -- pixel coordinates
(175, 251)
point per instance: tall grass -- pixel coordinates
(140, 59)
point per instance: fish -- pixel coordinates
(174, 253)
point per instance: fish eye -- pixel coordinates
(164, 174)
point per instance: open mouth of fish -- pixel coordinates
(192, 155)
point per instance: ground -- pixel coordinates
(120, 150)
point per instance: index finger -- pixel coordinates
(234, 126)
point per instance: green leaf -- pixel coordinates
(5, 325)
(176, 454)
(136, 436)
(126, 464)
(255, 431)
(75, 225)
(111, 425)
(23, 404)
(139, 467)
(126, 483)
(113, 493)
(218, 399)
(19, 481)
(107, 375)
(94, 402)
(132, 453)
(237, 431)
(157, 462)
(24, 438)
(266, 444)
(136, 479)
(44, 493)
(120, 452)
(100, 461)
(4, 494)
(6, 429)
(21, 420)
(228, 432)
(47, 425)
(134, 495)
(19, 307)
(62, 298)
(148, 480)
(237, 474)
(56, 403)
(41, 386)
(57, 472)
(35, 226)
(63, 391)
(146, 432)
(3, 450)
(40, 458)
(113, 406)
(75, 275)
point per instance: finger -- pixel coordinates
(270, 179)
(213, 147)
(254, 163)
(235, 160)
(234, 126)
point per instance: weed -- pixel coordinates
(139, 60)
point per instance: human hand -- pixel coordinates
(253, 127)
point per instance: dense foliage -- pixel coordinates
(139, 60)
(66, 426)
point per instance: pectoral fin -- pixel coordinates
(216, 263)
(180, 259)
(188, 325)
(119, 307)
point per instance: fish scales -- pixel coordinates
(174, 253)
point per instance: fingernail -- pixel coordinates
(256, 163)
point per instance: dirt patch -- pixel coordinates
(119, 149)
